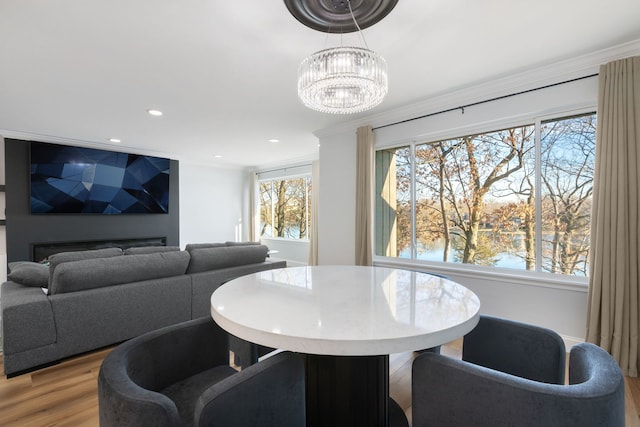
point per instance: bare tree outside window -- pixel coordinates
(568, 159)
(475, 200)
(285, 207)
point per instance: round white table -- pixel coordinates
(346, 320)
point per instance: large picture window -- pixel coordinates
(516, 198)
(285, 207)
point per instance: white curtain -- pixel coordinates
(315, 199)
(613, 318)
(364, 195)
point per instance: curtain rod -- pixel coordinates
(497, 98)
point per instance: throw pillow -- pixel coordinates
(29, 274)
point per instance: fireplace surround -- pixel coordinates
(40, 252)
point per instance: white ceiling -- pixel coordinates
(224, 73)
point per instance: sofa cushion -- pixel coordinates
(99, 272)
(206, 259)
(56, 259)
(191, 246)
(230, 243)
(29, 273)
(137, 250)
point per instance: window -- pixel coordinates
(493, 199)
(285, 207)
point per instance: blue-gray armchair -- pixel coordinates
(451, 392)
(180, 375)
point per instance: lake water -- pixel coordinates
(504, 260)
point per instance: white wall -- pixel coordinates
(215, 205)
(295, 252)
(336, 222)
(547, 301)
(212, 204)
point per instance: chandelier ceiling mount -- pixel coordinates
(333, 16)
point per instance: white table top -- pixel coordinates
(345, 310)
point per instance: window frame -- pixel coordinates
(499, 274)
(271, 178)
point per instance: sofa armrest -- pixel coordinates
(27, 318)
(277, 263)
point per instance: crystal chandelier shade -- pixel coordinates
(342, 80)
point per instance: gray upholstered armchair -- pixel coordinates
(451, 392)
(158, 378)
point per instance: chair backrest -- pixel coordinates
(270, 393)
(519, 349)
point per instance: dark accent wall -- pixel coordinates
(23, 229)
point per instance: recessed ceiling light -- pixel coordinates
(274, 140)
(218, 156)
(115, 140)
(155, 112)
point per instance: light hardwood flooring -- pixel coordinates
(66, 394)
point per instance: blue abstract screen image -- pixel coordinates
(67, 179)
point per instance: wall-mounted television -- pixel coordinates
(68, 180)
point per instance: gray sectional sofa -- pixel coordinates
(86, 300)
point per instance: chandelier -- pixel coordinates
(345, 79)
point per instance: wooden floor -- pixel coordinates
(66, 394)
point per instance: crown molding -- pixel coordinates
(558, 71)
(27, 136)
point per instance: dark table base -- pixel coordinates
(350, 391)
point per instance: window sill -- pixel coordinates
(497, 275)
(285, 239)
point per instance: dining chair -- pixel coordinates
(158, 379)
(527, 393)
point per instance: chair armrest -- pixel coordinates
(123, 403)
(268, 393)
